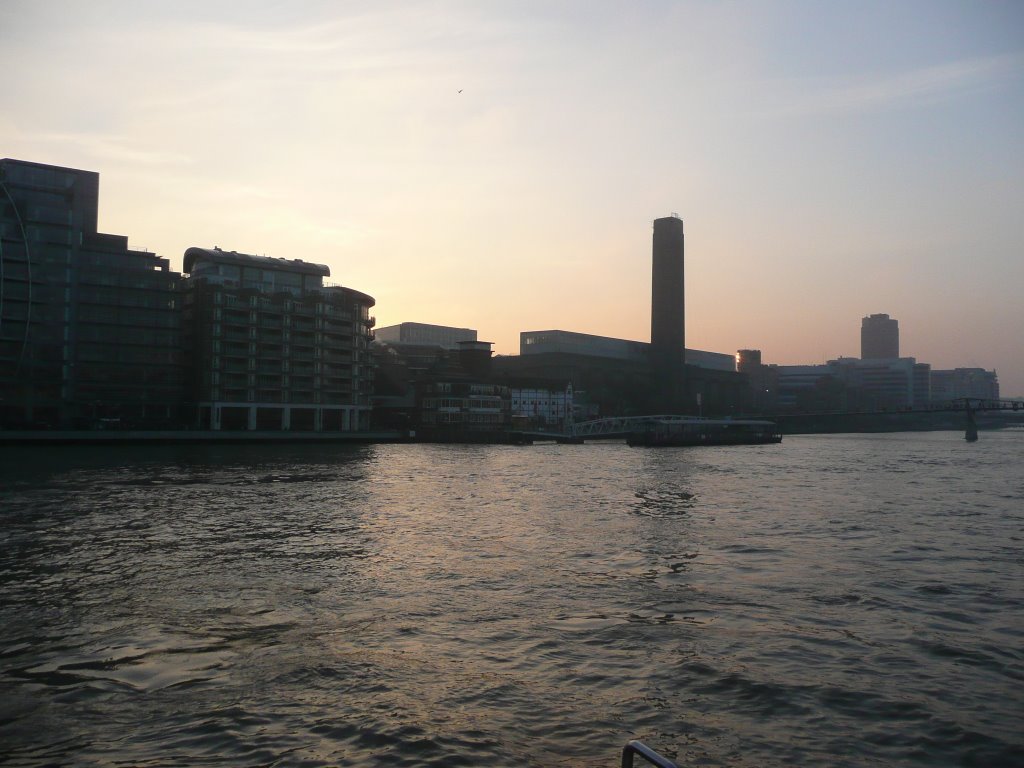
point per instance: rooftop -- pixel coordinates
(215, 254)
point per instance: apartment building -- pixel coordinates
(272, 347)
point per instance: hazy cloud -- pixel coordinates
(901, 89)
(121, 149)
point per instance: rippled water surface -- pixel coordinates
(835, 600)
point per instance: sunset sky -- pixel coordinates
(829, 160)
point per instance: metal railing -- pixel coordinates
(648, 754)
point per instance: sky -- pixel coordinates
(497, 165)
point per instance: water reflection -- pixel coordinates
(439, 605)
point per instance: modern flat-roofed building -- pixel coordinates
(887, 383)
(963, 382)
(571, 342)
(90, 330)
(273, 348)
(879, 338)
(618, 375)
(426, 334)
(849, 383)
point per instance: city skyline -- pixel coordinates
(827, 165)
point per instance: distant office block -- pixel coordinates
(748, 360)
(922, 384)
(762, 380)
(425, 333)
(879, 337)
(272, 348)
(885, 383)
(849, 383)
(963, 382)
(89, 328)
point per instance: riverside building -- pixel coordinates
(90, 333)
(879, 338)
(964, 382)
(271, 347)
(425, 334)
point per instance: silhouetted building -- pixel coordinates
(89, 329)
(763, 380)
(963, 382)
(879, 337)
(851, 384)
(922, 384)
(457, 398)
(748, 360)
(614, 376)
(668, 333)
(271, 347)
(884, 383)
(571, 342)
(425, 333)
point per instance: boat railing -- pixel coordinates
(634, 748)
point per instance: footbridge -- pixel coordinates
(620, 427)
(977, 404)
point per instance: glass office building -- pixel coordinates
(90, 333)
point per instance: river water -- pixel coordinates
(836, 600)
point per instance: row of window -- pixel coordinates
(447, 417)
(99, 313)
(326, 397)
(236, 317)
(128, 355)
(461, 403)
(279, 304)
(114, 297)
(129, 334)
(317, 366)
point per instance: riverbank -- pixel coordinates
(895, 421)
(188, 436)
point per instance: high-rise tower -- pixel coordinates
(668, 336)
(879, 337)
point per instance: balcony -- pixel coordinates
(236, 350)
